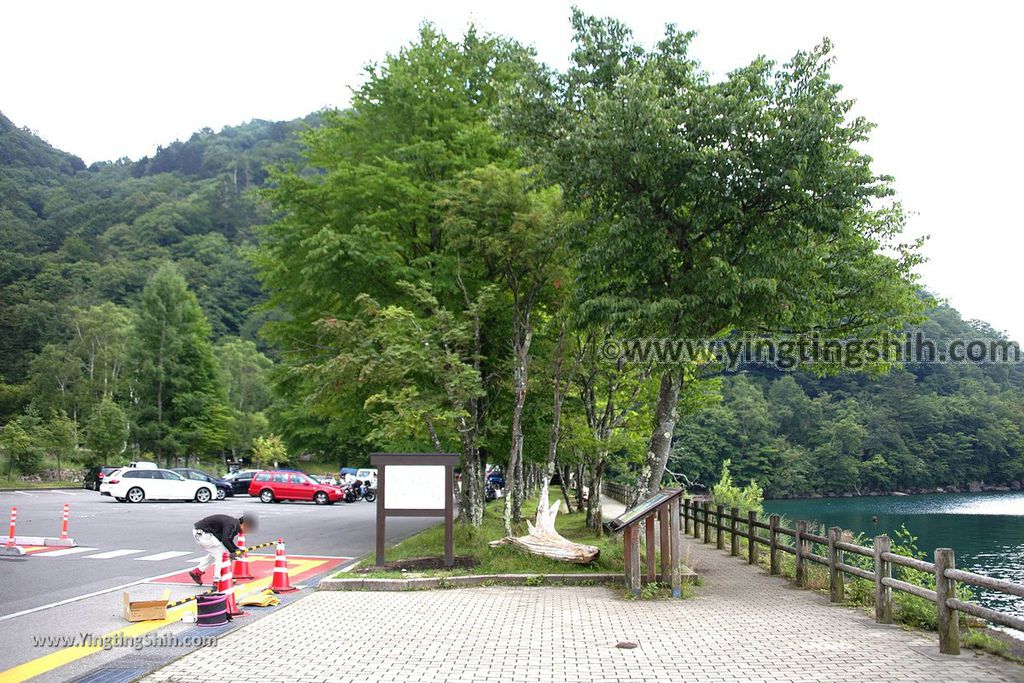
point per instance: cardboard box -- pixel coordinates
(144, 610)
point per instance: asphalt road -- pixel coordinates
(132, 543)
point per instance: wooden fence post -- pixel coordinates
(675, 549)
(773, 544)
(649, 547)
(883, 569)
(836, 584)
(633, 561)
(751, 537)
(719, 535)
(949, 619)
(696, 515)
(686, 516)
(734, 540)
(666, 546)
(707, 520)
(801, 566)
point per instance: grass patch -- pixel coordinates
(19, 484)
(503, 559)
(993, 642)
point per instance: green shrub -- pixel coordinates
(725, 492)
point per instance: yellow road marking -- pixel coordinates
(41, 665)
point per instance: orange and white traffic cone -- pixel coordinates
(10, 548)
(14, 520)
(280, 583)
(241, 570)
(64, 523)
(225, 584)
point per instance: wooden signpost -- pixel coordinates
(662, 507)
(415, 485)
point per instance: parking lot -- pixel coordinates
(78, 590)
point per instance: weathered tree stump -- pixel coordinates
(545, 541)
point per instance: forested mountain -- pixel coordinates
(920, 427)
(78, 246)
(75, 237)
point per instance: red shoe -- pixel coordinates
(197, 576)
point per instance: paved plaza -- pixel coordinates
(741, 625)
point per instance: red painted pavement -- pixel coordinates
(262, 566)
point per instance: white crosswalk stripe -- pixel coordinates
(111, 554)
(163, 556)
(65, 551)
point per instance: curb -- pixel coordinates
(476, 580)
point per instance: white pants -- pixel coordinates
(212, 545)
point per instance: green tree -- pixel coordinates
(179, 402)
(716, 205)
(19, 440)
(372, 222)
(106, 432)
(269, 451)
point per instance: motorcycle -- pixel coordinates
(359, 490)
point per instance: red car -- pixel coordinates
(273, 486)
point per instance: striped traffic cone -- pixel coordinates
(9, 548)
(64, 523)
(14, 520)
(241, 570)
(225, 584)
(280, 583)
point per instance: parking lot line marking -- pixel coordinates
(26, 494)
(66, 551)
(110, 554)
(163, 556)
(41, 665)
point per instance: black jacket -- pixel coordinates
(224, 527)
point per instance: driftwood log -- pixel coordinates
(543, 540)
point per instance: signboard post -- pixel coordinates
(415, 485)
(663, 505)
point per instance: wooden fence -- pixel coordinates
(700, 518)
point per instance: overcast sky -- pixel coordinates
(105, 80)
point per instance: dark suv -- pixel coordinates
(94, 477)
(239, 481)
(223, 486)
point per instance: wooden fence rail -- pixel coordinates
(700, 519)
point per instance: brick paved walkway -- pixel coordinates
(742, 625)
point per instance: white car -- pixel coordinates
(136, 485)
(368, 474)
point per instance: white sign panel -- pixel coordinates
(414, 487)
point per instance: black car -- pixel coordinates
(224, 487)
(239, 481)
(94, 477)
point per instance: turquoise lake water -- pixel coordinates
(986, 530)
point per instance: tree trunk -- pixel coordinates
(579, 486)
(594, 517)
(514, 471)
(661, 435)
(563, 476)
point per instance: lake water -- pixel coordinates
(986, 530)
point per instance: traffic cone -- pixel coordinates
(14, 521)
(64, 523)
(280, 583)
(10, 548)
(225, 585)
(241, 570)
